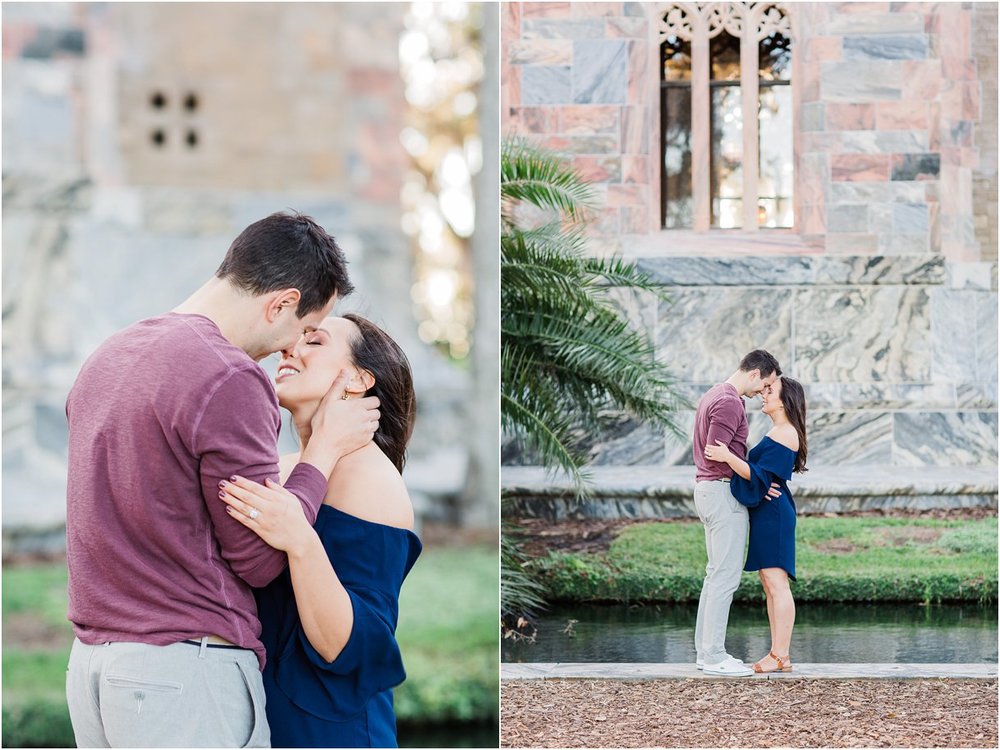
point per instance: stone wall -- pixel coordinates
(297, 106)
(882, 299)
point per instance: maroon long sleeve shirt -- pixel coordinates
(159, 415)
(721, 415)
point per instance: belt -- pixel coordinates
(211, 641)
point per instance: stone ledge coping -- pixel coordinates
(652, 492)
(652, 481)
(640, 671)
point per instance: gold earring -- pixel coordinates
(344, 397)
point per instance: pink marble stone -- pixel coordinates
(546, 10)
(811, 219)
(638, 70)
(812, 178)
(958, 69)
(860, 167)
(902, 115)
(597, 145)
(635, 130)
(847, 8)
(541, 51)
(629, 28)
(824, 48)
(850, 116)
(15, 37)
(954, 36)
(599, 168)
(595, 10)
(970, 157)
(635, 220)
(921, 80)
(588, 119)
(971, 100)
(534, 119)
(510, 87)
(809, 80)
(934, 126)
(636, 169)
(628, 195)
(510, 22)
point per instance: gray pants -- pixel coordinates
(181, 695)
(726, 525)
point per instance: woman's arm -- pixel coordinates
(720, 453)
(323, 603)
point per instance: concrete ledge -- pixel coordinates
(668, 491)
(639, 671)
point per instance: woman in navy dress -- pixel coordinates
(329, 621)
(771, 549)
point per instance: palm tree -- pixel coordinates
(567, 354)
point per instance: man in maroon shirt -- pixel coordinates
(721, 416)
(167, 651)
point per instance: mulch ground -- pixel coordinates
(540, 536)
(772, 713)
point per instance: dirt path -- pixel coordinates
(773, 713)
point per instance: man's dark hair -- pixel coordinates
(286, 251)
(761, 360)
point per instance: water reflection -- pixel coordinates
(827, 633)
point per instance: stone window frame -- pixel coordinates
(698, 23)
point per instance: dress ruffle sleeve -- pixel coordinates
(773, 463)
(369, 663)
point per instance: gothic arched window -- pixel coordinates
(721, 168)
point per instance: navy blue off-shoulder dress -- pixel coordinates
(346, 703)
(772, 522)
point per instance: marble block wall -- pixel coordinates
(893, 154)
(899, 366)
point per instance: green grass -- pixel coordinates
(447, 632)
(837, 559)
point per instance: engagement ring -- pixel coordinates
(253, 514)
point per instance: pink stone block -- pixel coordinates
(510, 21)
(635, 130)
(599, 168)
(638, 72)
(820, 143)
(812, 219)
(629, 28)
(596, 10)
(848, 8)
(588, 119)
(809, 82)
(628, 195)
(860, 167)
(541, 51)
(636, 169)
(635, 220)
(971, 100)
(934, 126)
(921, 80)
(970, 157)
(850, 116)
(958, 69)
(824, 49)
(546, 10)
(510, 87)
(534, 119)
(902, 115)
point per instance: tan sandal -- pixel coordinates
(784, 665)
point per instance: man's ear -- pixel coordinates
(284, 301)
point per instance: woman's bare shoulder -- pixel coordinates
(370, 488)
(786, 435)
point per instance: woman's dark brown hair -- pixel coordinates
(793, 398)
(375, 351)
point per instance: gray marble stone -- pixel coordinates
(628, 442)
(884, 396)
(885, 47)
(898, 243)
(953, 336)
(850, 438)
(880, 270)
(600, 72)
(552, 28)
(812, 117)
(971, 275)
(876, 192)
(986, 335)
(907, 167)
(958, 438)
(909, 217)
(866, 334)
(884, 141)
(748, 271)
(826, 396)
(897, 22)
(677, 450)
(49, 43)
(542, 84)
(976, 395)
(690, 329)
(846, 218)
(861, 82)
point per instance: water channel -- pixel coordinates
(824, 633)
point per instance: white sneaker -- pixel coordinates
(730, 667)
